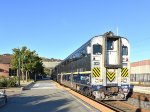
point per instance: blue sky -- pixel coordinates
(55, 28)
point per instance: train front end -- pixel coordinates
(110, 65)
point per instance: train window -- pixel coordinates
(124, 50)
(84, 78)
(75, 78)
(83, 53)
(110, 44)
(77, 55)
(97, 49)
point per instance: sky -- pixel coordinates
(56, 28)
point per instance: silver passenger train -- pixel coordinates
(99, 68)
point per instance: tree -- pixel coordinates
(46, 71)
(29, 61)
(15, 59)
(37, 65)
(22, 58)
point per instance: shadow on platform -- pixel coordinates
(47, 103)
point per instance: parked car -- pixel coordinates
(3, 98)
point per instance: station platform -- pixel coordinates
(141, 89)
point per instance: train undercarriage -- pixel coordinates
(104, 93)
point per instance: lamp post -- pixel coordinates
(19, 69)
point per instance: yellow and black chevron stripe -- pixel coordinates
(110, 76)
(96, 72)
(124, 72)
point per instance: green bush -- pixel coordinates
(8, 82)
(3, 82)
(12, 81)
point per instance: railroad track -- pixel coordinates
(110, 104)
(123, 106)
(118, 107)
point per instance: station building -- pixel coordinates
(140, 71)
(5, 65)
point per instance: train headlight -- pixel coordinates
(124, 80)
(98, 80)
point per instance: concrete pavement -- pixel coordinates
(46, 96)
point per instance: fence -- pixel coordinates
(140, 77)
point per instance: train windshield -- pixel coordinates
(110, 44)
(124, 50)
(97, 49)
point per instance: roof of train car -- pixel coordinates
(88, 42)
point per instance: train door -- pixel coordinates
(112, 59)
(112, 52)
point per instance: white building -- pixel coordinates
(140, 71)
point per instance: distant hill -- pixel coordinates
(43, 58)
(50, 60)
(6, 54)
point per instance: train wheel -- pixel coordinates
(102, 95)
(122, 96)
